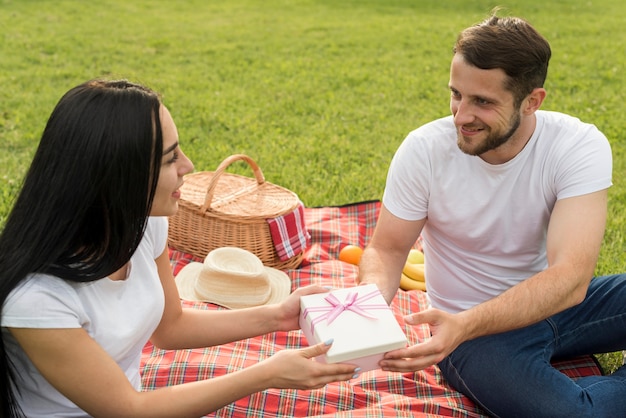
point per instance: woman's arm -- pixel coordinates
(190, 328)
(82, 371)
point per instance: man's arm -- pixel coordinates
(574, 238)
(383, 259)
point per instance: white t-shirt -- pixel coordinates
(119, 315)
(486, 224)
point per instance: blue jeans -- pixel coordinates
(509, 374)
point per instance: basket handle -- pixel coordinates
(258, 174)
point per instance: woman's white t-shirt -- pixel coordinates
(119, 315)
(486, 224)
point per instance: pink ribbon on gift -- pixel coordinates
(352, 303)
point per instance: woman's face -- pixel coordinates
(174, 166)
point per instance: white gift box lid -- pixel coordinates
(354, 335)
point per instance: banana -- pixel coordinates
(414, 271)
(406, 283)
(415, 256)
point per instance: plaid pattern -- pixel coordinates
(374, 393)
(289, 233)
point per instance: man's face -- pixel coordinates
(484, 112)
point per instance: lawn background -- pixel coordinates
(319, 92)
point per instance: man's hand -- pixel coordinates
(447, 333)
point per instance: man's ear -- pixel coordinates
(533, 102)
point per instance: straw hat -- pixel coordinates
(234, 278)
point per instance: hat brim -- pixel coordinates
(280, 285)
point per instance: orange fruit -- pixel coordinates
(351, 254)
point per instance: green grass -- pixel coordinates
(319, 92)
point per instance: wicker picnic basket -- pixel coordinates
(219, 209)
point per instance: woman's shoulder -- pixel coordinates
(156, 226)
(41, 300)
(155, 235)
(44, 284)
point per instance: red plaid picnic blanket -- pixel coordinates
(373, 394)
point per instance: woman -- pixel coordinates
(86, 281)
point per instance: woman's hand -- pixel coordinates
(295, 369)
(288, 311)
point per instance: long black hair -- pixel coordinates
(86, 198)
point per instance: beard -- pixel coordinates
(494, 138)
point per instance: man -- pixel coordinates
(511, 204)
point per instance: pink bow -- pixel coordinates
(352, 303)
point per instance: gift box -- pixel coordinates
(359, 321)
